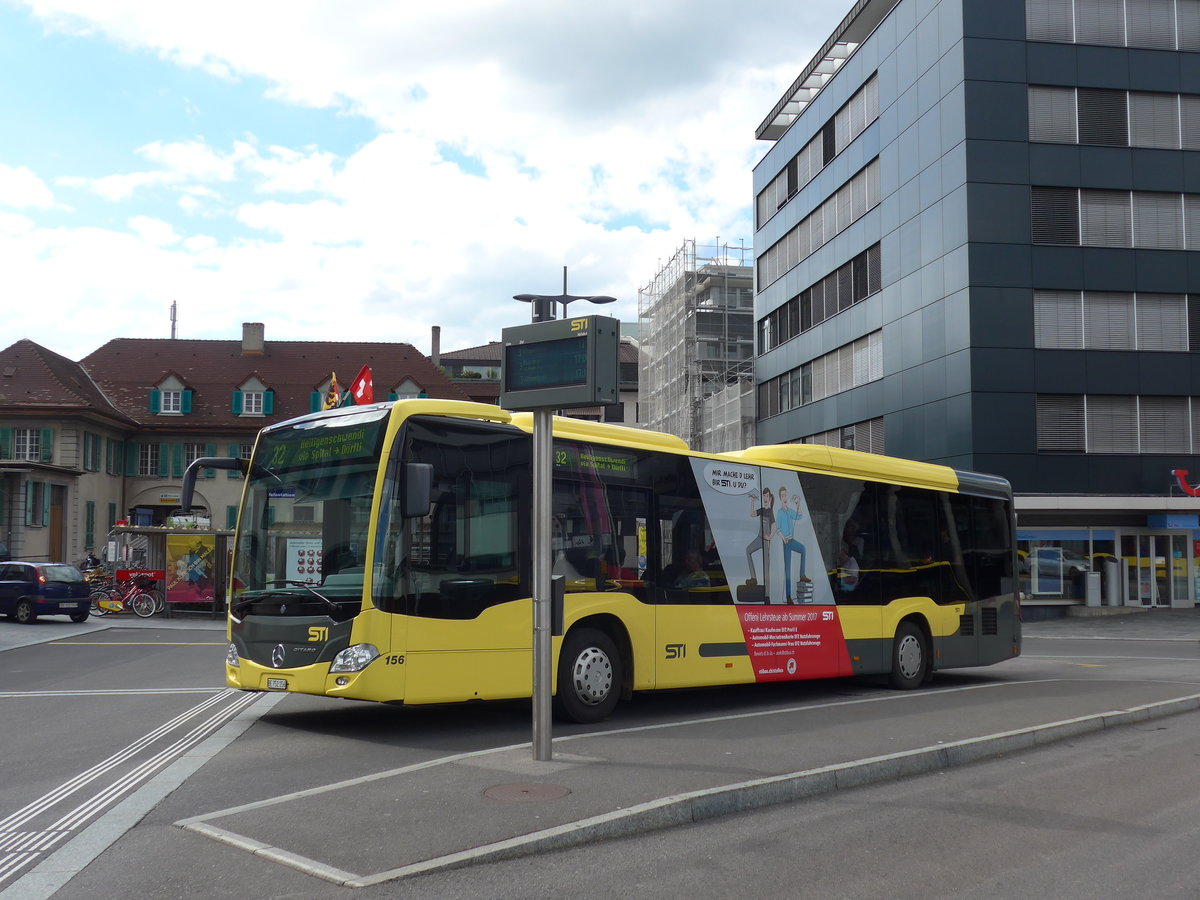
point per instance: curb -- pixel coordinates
(697, 806)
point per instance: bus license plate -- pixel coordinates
(276, 684)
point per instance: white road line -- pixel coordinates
(22, 847)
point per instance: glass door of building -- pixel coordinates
(1156, 569)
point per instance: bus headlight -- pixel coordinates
(231, 656)
(354, 659)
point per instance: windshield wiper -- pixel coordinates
(333, 605)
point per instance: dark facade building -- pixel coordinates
(976, 234)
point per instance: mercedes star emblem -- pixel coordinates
(277, 656)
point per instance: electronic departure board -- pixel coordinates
(560, 363)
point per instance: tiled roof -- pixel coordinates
(34, 378)
(127, 369)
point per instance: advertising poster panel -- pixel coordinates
(764, 533)
(189, 568)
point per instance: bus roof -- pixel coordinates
(855, 463)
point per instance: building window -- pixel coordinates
(252, 403)
(1115, 118)
(842, 209)
(1096, 218)
(171, 402)
(848, 284)
(1153, 24)
(866, 437)
(148, 459)
(26, 444)
(191, 453)
(1117, 424)
(849, 366)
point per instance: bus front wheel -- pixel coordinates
(589, 677)
(910, 657)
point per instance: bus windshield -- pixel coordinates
(306, 510)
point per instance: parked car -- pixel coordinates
(32, 589)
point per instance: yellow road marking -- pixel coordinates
(1088, 665)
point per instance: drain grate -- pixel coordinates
(526, 792)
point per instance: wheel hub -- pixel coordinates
(909, 657)
(592, 676)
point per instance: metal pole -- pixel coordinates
(543, 423)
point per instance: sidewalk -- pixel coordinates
(1129, 623)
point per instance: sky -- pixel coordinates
(368, 170)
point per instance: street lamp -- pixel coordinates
(543, 304)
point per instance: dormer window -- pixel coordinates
(170, 398)
(253, 399)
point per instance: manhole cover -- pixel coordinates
(525, 792)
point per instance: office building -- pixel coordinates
(976, 228)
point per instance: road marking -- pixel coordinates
(111, 779)
(111, 692)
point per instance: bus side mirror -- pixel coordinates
(206, 462)
(417, 488)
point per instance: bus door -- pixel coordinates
(469, 631)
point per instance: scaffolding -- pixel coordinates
(696, 359)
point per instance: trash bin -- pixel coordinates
(1112, 582)
(1091, 588)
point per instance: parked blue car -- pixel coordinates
(32, 589)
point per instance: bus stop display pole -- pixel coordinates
(543, 421)
(553, 364)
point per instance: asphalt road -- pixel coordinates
(126, 733)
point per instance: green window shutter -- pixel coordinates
(314, 401)
(89, 524)
(210, 450)
(86, 462)
(231, 517)
(268, 402)
(236, 403)
(118, 457)
(112, 516)
(164, 460)
(177, 460)
(45, 504)
(392, 395)
(6, 438)
(185, 402)
(131, 458)
(108, 456)
(155, 401)
(29, 503)
(47, 445)
(235, 451)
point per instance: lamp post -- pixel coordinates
(542, 453)
(543, 304)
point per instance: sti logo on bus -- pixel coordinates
(318, 633)
(676, 651)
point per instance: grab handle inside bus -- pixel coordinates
(418, 490)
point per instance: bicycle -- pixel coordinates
(136, 595)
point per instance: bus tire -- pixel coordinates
(589, 677)
(910, 657)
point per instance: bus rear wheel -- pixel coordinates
(910, 657)
(589, 677)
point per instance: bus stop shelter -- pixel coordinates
(190, 565)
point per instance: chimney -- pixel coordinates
(253, 342)
(436, 354)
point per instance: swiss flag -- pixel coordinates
(361, 388)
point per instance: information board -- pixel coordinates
(560, 363)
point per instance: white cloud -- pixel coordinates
(20, 188)
(513, 137)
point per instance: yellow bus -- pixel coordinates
(383, 553)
